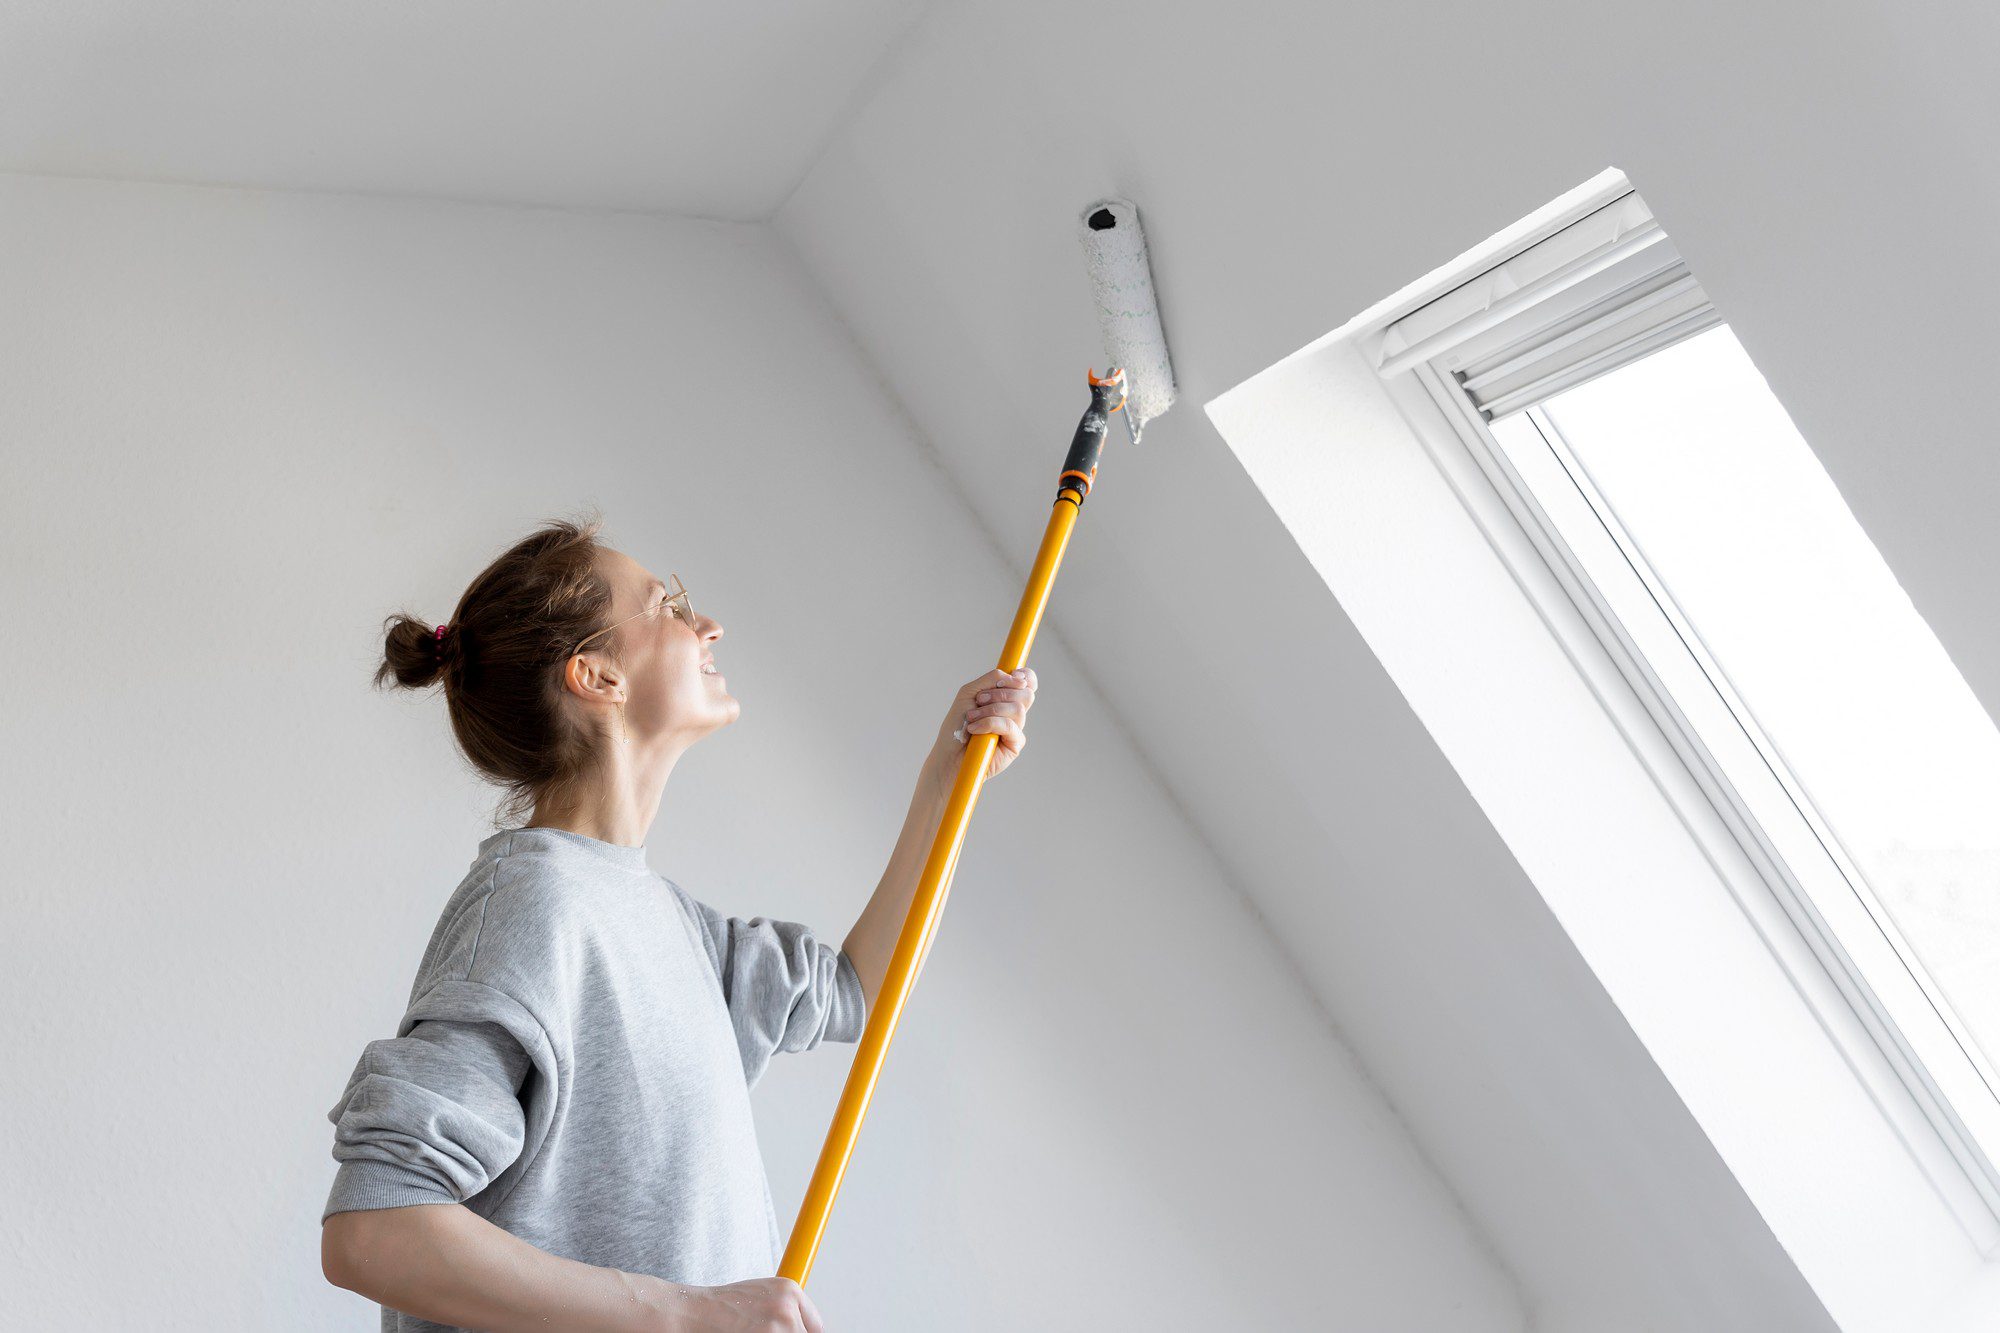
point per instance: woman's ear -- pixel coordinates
(593, 680)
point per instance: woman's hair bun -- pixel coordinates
(501, 658)
(412, 654)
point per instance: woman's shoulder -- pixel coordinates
(515, 924)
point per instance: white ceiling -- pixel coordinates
(705, 109)
(1294, 164)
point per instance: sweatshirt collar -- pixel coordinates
(564, 841)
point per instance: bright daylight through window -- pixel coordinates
(1730, 512)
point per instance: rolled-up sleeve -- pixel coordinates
(437, 1114)
(785, 989)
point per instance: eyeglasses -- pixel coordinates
(675, 601)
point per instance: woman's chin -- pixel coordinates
(716, 702)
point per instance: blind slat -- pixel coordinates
(1594, 296)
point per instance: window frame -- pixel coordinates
(1942, 1096)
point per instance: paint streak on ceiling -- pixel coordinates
(710, 110)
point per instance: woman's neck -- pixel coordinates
(618, 801)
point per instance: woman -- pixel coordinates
(559, 1135)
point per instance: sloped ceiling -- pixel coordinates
(703, 109)
(1295, 164)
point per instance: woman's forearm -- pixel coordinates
(445, 1263)
(872, 941)
(996, 703)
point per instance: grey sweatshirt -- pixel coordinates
(576, 1061)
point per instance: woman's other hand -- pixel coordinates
(995, 703)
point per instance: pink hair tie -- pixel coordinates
(440, 632)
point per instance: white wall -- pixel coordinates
(241, 427)
(1294, 163)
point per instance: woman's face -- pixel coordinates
(673, 685)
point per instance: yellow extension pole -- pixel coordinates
(926, 908)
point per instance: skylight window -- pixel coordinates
(1687, 451)
(1596, 384)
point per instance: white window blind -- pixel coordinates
(1605, 290)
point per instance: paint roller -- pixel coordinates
(1121, 283)
(1139, 381)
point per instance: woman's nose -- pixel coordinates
(711, 629)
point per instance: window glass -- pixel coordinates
(1739, 522)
